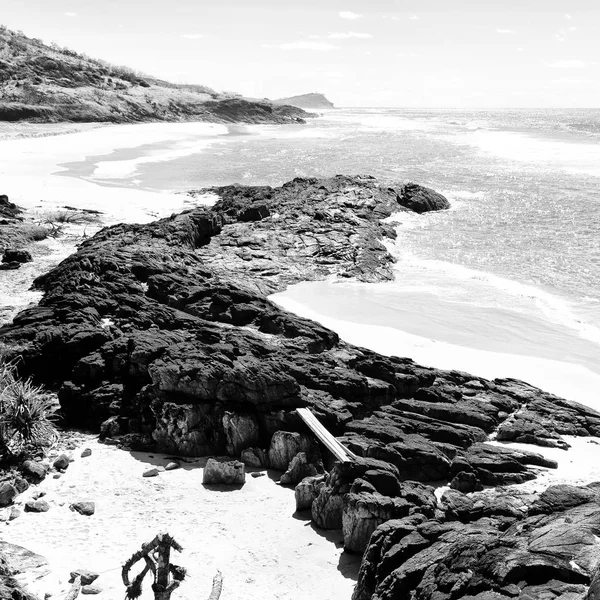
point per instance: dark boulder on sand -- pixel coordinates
(16, 256)
(165, 330)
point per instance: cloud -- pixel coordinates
(191, 36)
(317, 46)
(406, 55)
(350, 34)
(568, 17)
(70, 14)
(569, 64)
(413, 18)
(505, 31)
(346, 14)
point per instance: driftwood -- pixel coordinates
(217, 586)
(167, 576)
(74, 589)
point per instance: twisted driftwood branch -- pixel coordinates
(163, 588)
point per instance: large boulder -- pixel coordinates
(285, 445)
(33, 470)
(222, 471)
(420, 199)
(7, 493)
(307, 490)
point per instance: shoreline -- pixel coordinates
(349, 316)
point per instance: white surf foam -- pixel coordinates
(572, 157)
(527, 299)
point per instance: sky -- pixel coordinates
(412, 53)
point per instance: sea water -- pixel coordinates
(513, 267)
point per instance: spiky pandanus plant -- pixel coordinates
(27, 412)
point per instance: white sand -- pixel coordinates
(249, 534)
(27, 168)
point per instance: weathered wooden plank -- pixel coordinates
(332, 444)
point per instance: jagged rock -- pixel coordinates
(7, 493)
(87, 577)
(558, 498)
(255, 457)
(285, 445)
(496, 465)
(534, 557)
(20, 484)
(86, 452)
(152, 472)
(227, 472)
(241, 431)
(387, 551)
(110, 428)
(85, 508)
(385, 482)
(299, 468)
(327, 507)
(421, 199)
(8, 210)
(362, 514)
(466, 482)
(37, 506)
(34, 471)
(62, 462)
(18, 256)
(307, 490)
(15, 513)
(509, 504)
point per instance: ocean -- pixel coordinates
(512, 268)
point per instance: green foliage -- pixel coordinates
(27, 412)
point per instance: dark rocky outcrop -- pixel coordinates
(504, 549)
(164, 333)
(16, 255)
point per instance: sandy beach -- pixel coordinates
(251, 535)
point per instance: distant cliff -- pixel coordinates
(45, 83)
(310, 101)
